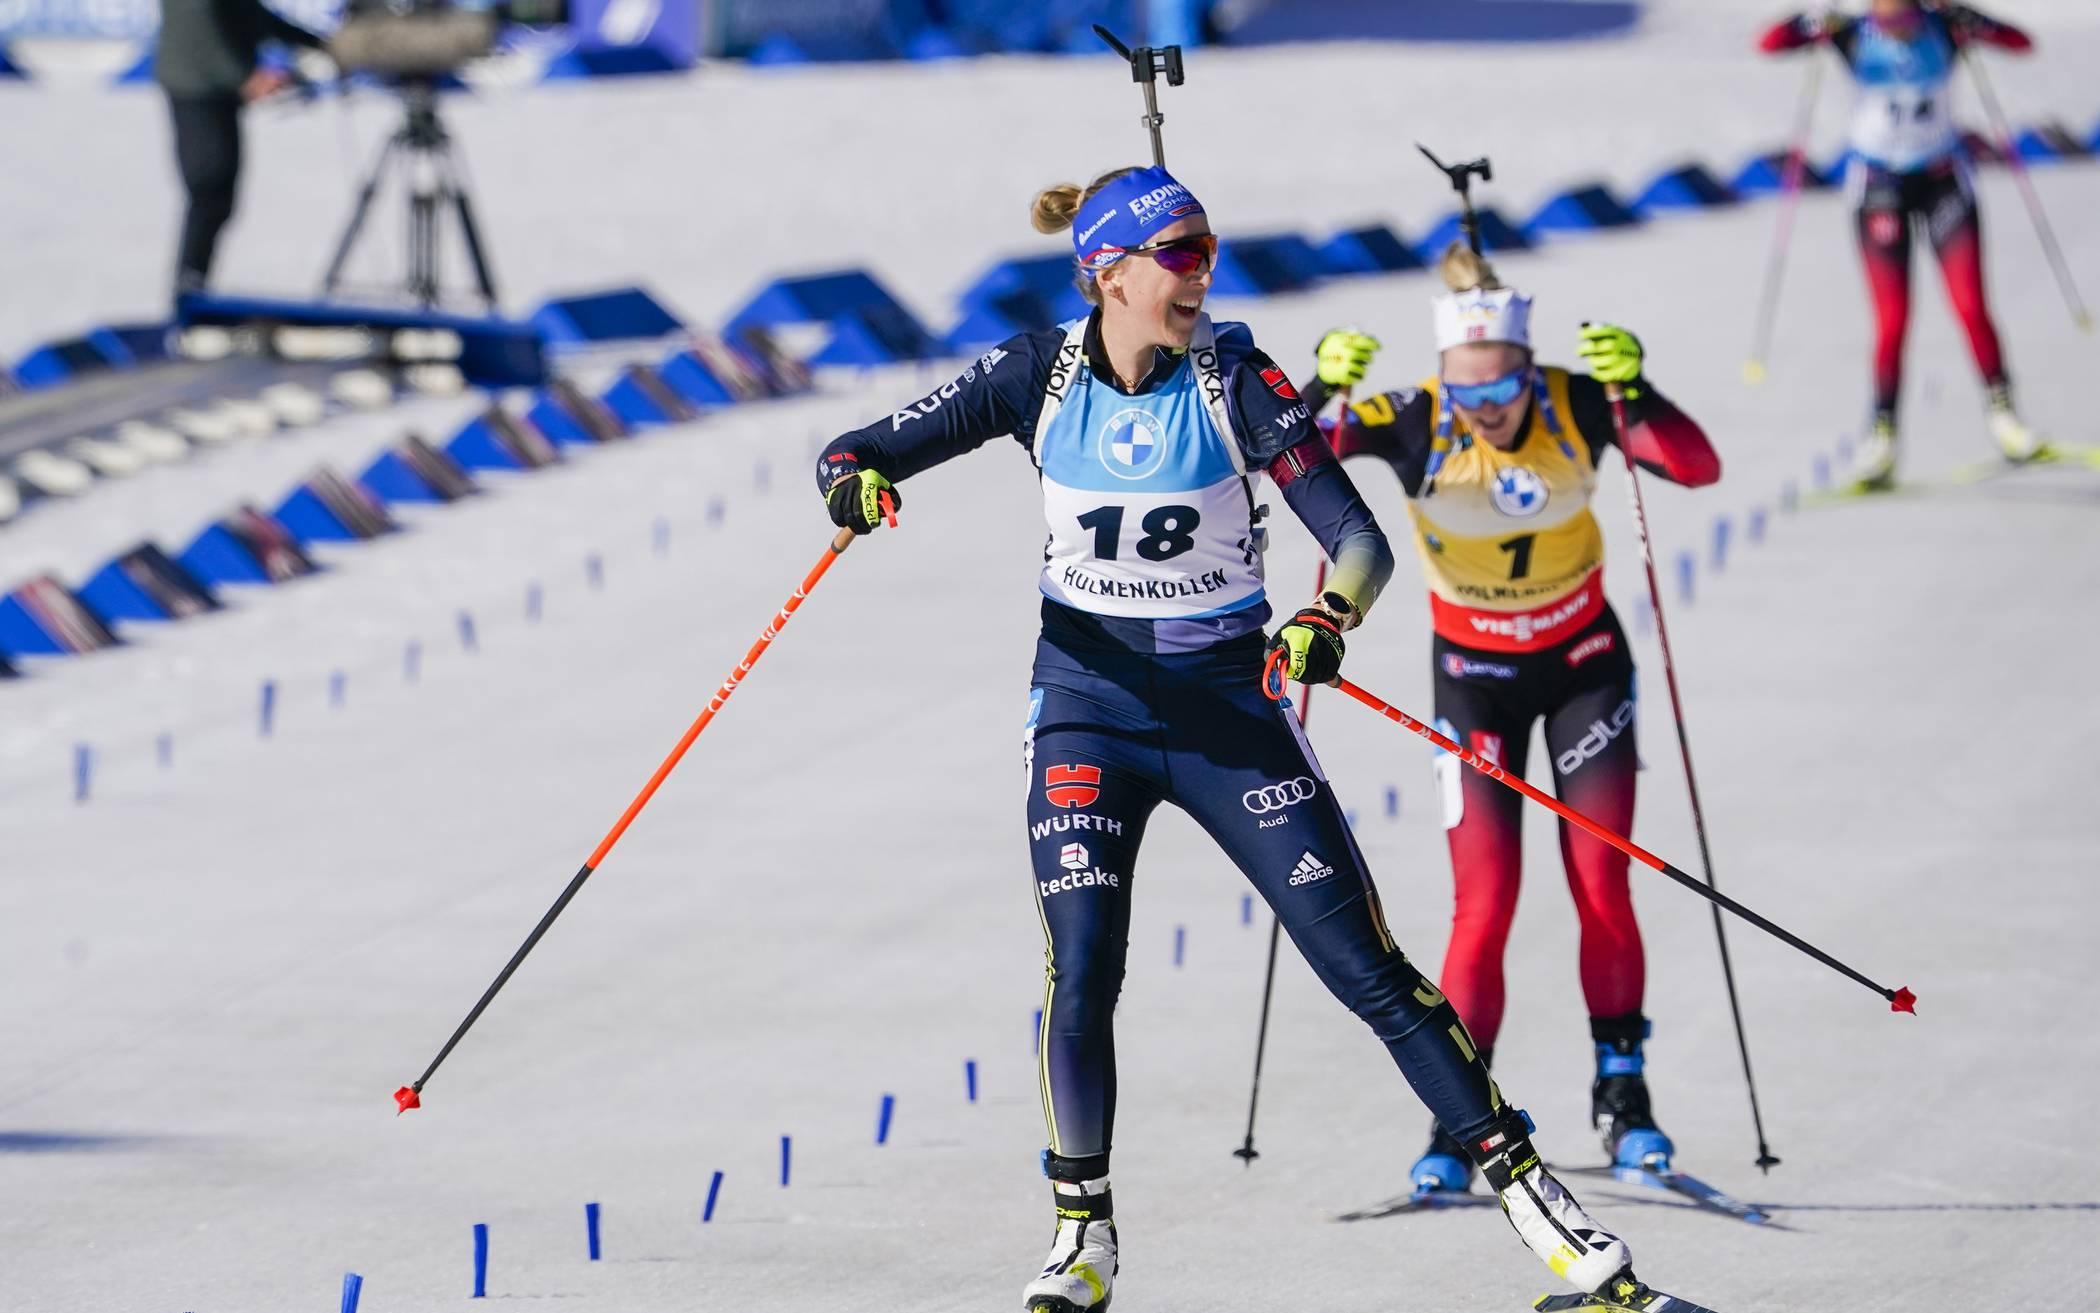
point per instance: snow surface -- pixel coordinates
(216, 973)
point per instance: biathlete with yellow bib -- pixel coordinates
(1498, 456)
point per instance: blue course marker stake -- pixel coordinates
(786, 1151)
(1246, 909)
(83, 771)
(970, 1078)
(1686, 568)
(594, 570)
(1844, 450)
(1038, 1031)
(1722, 529)
(882, 1118)
(1822, 471)
(164, 750)
(338, 682)
(660, 536)
(353, 1286)
(1392, 802)
(590, 1227)
(481, 1260)
(1643, 615)
(714, 1192)
(466, 632)
(412, 662)
(714, 510)
(1181, 943)
(533, 601)
(269, 707)
(1755, 530)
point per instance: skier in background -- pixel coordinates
(1149, 427)
(1498, 458)
(1908, 171)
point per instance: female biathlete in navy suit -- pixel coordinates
(1150, 427)
(1908, 171)
(1498, 457)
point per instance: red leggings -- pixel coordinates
(1941, 200)
(1488, 701)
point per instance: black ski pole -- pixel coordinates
(1766, 1160)
(1246, 1152)
(2011, 150)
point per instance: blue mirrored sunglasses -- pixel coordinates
(1495, 392)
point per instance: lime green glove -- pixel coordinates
(855, 500)
(1344, 356)
(1308, 647)
(1613, 355)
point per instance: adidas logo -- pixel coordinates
(1310, 869)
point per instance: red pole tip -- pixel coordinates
(889, 510)
(1903, 1001)
(405, 1098)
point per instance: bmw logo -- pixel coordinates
(1518, 492)
(1133, 444)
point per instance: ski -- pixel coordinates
(1640, 1299)
(2072, 455)
(1855, 492)
(2056, 455)
(1694, 1189)
(1420, 1201)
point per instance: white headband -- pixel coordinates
(1500, 314)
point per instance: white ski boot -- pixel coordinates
(1545, 1215)
(2015, 440)
(1877, 455)
(1083, 1260)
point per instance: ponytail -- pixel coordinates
(1055, 207)
(1465, 270)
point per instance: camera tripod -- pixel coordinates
(421, 150)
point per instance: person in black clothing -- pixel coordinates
(206, 62)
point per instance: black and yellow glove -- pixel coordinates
(1344, 355)
(1613, 355)
(1308, 648)
(856, 500)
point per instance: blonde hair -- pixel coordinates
(1465, 270)
(1055, 208)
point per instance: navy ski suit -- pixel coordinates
(1147, 686)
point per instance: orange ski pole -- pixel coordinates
(408, 1096)
(1900, 1000)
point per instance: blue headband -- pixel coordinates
(1123, 216)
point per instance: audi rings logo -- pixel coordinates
(1276, 797)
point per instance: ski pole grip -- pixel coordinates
(1273, 680)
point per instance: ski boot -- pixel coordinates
(1546, 1217)
(1619, 1099)
(2015, 440)
(1443, 1167)
(1624, 1291)
(1877, 455)
(1083, 1261)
